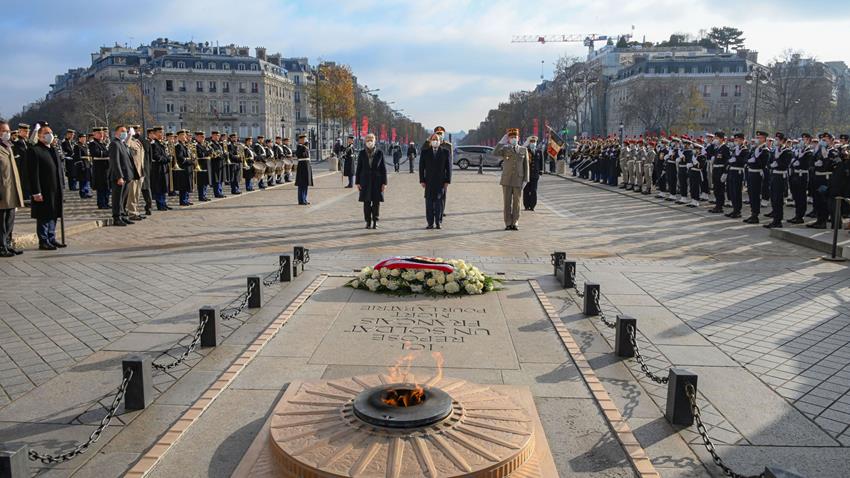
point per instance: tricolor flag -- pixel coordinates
(555, 143)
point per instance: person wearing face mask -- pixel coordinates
(120, 175)
(348, 166)
(304, 170)
(756, 163)
(825, 160)
(778, 183)
(441, 133)
(371, 181)
(46, 186)
(722, 153)
(529, 192)
(137, 169)
(735, 175)
(799, 177)
(21, 146)
(411, 156)
(515, 173)
(435, 174)
(11, 194)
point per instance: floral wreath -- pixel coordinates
(424, 275)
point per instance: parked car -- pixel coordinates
(466, 156)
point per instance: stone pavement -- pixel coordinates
(762, 321)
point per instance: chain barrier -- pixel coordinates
(243, 302)
(579, 292)
(191, 348)
(274, 277)
(692, 397)
(644, 368)
(49, 459)
(605, 321)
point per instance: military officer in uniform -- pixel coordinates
(171, 143)
(288, 160)
(825, 160)
(260, 162)
(82, 166)
(626, 163)
(348, 161)
(756, 164)
(248, 174)
(515, 173)
(649, 156)
(799, 177)
(778, 182)
(718, 173)
(235, 150)
(186, 164)
(735, 175)
(20, 147)
(411, 156)
(218, 156)
(67, 147)
(160, 162)
(304, 170)
(204, 153)
(100, 167)
(441, 133)
(529, 192)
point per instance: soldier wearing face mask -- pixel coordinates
(515, 173)
(825, 160)
(435, 174)
(799, 177)
(756, 164)
(529, 192)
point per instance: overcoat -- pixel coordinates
(45, 178)
(11, 194)
(435, 170)
(371, 175)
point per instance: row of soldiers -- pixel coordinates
(175, 164)
(686, 170)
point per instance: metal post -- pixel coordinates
(757, 78)
(678, 410)
(836, 223)
(569, 268)
(140, 387)
(557, 259)
(14, 462)
(209, 334)
(255, 300)
(622, 340)
(285, 269)
(590, 291)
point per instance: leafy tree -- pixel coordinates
(726, 37)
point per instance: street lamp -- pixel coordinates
(756, 75)
(366, 91)
(142, 72)
(622, 128)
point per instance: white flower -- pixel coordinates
(471, 288)
(431, 282)
(366, 270)
(373, 284)
(355, 283)
(384, 272)
(438, 274)
(441, 279)
(420, 276)
(489, 287)
(416, 288)
(408, 275)
(392, 285)
(439, 289)
(451, 277)
(452, 287)
(395, 273)
(462, 274)
(376, 275)
(384, 281)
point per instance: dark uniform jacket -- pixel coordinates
(348, 161)
(371, 175)
(435, 170)
(20, 148)
(68, 157)
(183, 180)
(304, 170)
(100, 164)
(536, 165)
(45, 178)
(82, 162)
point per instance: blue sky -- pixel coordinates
(442, 61)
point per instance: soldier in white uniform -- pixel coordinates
(515, 173)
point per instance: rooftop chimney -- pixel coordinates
(261, 53)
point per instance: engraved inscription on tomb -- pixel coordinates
(418, 327)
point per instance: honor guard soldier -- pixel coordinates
(660, 170)
(217, 161)
(825, 161)
(185, 166)
(260, 162)
(760, 158)
(203, 155)
(171, 143)
(236, 152)
(515, 173)
(348, 161)
(160, 163)
(288, 160)
(248, 173)
(82, 166)
(682, 166)
(718, 173)
(441, 133)
(20, 148)
(697, 164)
(304, 170)
(271, 161)
(529, 192)
(649, 156)
(798, 179)
(779, 182)
(671, 169)
(67, 147)
(626, 162)
(735, 175)
(280, 170)
(100, 167)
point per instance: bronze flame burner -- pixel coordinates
(374, 406)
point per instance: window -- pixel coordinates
(651, 71)
(199, 65)
(199, 86)
(255, 107)
(298, 114)
(735, 111)
(181, 85)
(298, 97)
(169, 64)
(253, 66)
(225, 66)
(169, 85)
(225, 87)
(169, 107)
(242, 108)
(242, 87)
(738, 90)
(213, 87)
(706, 91)
(297, 79)
(241, 67)
(725, 69)
(183, 108)
(213, 106)
(181, 64)
(211, 65)
(225, 106)
(255, 87)
(724, 91)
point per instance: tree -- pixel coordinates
(655, 105)
(726, 37)
(336, 91)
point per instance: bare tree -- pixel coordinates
(655, 105)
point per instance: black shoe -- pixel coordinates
(236, 193)
(368, 225)
(58, 245)
(46, 247)
(127, 221)
(736, 215)
(429, 226)
(768, 214)
(169, 208)
(514, 228)
(773, 225)
(119, 223)
(14, 251)
(6, 253)
(812, 214)
(509, 228)
(148, 212)
(205, 200)
(349, 187)
(817, 225)
(795, 220)
(137, 218)
(715, 211)
(375, 225)
(752, 220)
(438, 226)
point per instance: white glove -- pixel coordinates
(795, 163)
(818, 163)
(732, 160)
(752, 161)
(723, 178)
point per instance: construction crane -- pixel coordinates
(589, 40)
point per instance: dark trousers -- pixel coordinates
(735, 190)
(821, 199)
(72, 183)
(754, 180)
(695, 182)
(672, 176)
(371, 211)
(302, 194)
(777, 197)
(765, 185)
(85, 188)
(350, 181)
(719, 187)
(683, 182)
(7, 223)
(146, 194)
(45, 229)
(798, 183)
(410, 161)
(202, 192)
(433, 210)
(396, 164)
(184, 198)
(443, 206)
(119, 200)
(529, 194)
(103, 198)
(161, 202)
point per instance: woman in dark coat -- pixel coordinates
(371, 181)
(348, 161)
(45, 181)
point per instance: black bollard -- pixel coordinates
(836, 225)
(557, 259)
(773, 472)
(678, 410)
(209, 335)
(622, 341)
(14, 462)
(255, 299)
(298, 254)
(285, 269)
(140, 387)
(590, 291)
(569, 268)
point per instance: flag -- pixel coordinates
(393, 135)
(353, 125)
(555, 144)
(383, 132)
(536, 127)
(365, 129)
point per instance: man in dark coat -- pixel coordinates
(144, 138)
(411, 155)
(67, 146)
(218, 156)
(160, 162)
(100, 167)
(435, 174)
(120, 174)
(348, 166)
(204, 177)
(235, 152)
(45, 180)
(371, 181)
(396, 151)
(304, 170)
(186, 162)
(82, 166)
(529, 192)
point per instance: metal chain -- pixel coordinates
(48, 459)
(690, 391)
(605, 321)
(273, 277)
(191, 348)
(243, 302)
(633, 339)
(579, 293)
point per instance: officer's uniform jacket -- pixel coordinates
(515, 168)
